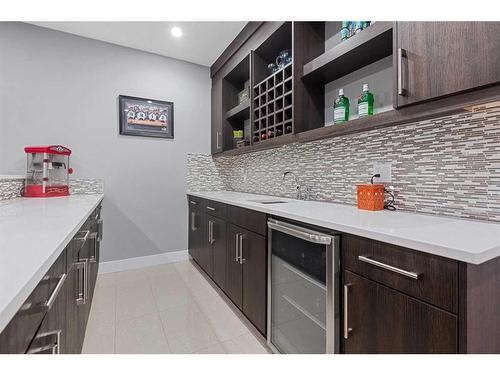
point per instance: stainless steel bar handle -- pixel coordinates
(210, 208)
(93, 257)
(193, 203)
(81, 266)
(81, 236)
(211, 238)
(217, 139)
(237, 257)
(347, 329)
(410, 274)
(401, 89)
(241, 238)
(299, 232)
(193, 218)
(86, 280)
(99, 230)
(56, 291)
(55, 347)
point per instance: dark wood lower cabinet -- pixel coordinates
(234, 278)
(218, 236)
(53, 319)
(398, 300)
(52, 337)
(386, 321)
(246, 278)
(199, 247)
(254, 253)
(215, 245)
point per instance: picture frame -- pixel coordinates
(146, 117)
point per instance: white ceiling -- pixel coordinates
(201, 42)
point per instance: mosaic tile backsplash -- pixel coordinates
(446, 166)
(12, 187)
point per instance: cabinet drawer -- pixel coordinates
(16, 337)
(216, 209)
(195, 203)
(424, 276)
(248, 219)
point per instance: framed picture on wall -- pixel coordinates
(146, 117)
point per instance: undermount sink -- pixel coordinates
(268, 201)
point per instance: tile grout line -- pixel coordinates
(158, 312)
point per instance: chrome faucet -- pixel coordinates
(298, 186)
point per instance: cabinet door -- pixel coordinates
(195, 235)
(216, 126)
(74, 339)
(191, 231)
(234, 278)
(443, 58)
(382, 320)
(254, 254)
(19, 333)
(52, 336)
(218, 239)
(205, 252)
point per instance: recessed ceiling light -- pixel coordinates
(176, 31)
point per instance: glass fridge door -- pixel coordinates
(298, 294)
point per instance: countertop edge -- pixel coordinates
(11, 309)
(425, 247)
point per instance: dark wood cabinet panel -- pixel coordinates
(248, 219)
(215, 208)
(216, 116)
(254, 253)
(219, 251)
(438, 277)
(52, 336)
(73, 331)
(205, 250)
(386, 321)
(195, 233)
(54, 317)
(443, 58)
(17, 336)
(234, 278)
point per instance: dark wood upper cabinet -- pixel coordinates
(216, 116)
(383, 320)
(254, 254)
(435, 59)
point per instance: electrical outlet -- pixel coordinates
(384, 168)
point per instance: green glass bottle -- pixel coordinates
(345, 30)
(341, 108)
(365, 102)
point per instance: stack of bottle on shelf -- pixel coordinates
(341, 105)
(350, 28)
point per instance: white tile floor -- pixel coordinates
(164, 309)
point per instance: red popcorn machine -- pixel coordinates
(47, 171)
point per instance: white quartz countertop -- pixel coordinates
(33, 233)
(469, 241)
(11, 177)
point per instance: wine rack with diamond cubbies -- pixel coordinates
(272, 107)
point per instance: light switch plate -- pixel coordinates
(384, 168)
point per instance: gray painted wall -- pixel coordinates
(60, 88)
